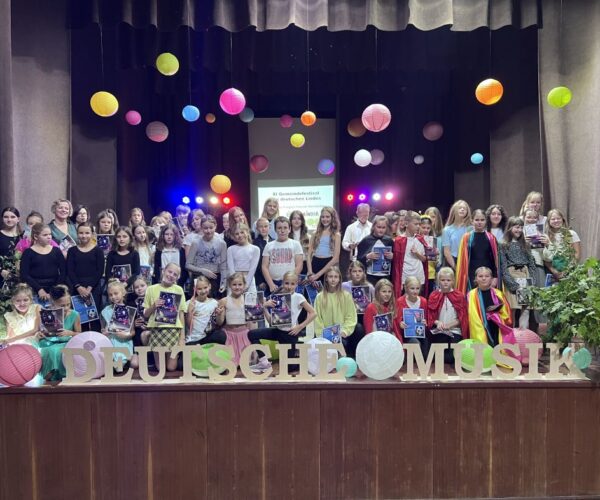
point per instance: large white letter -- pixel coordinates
(436, 352)
(90, 369)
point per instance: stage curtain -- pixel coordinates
(7, 186)
(336, 15)
(569, 48)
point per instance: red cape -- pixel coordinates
(398, 263)
(402, 304)
(458, 301)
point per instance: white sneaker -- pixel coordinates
(262, 366)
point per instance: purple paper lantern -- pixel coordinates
(377, 157)
(157, 131)
(92, 342)
(232, 101)
(432, 131)
(133, 117)
(326, 166)
(259, 164)
(286, 121)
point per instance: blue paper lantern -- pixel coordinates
(326, 166)
(247, 115)
(349, 364)
(476, 158)
(190, 113)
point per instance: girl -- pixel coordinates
(495, 221)
(516, 262)
(123, 254)
(195, 224)
(436, 221)
(487, 308)
(261, 240)
(324, 246)
(168, 249)
(401, 231)
(201, 309)
(113, 215)
(434, 256)
(232, 313)
(284, 335)
(208, 256)
(478, 248)
(299, 232)
(51, 346)
(166, 334)
(9, 236)
(458, 223)
(23, 322)
(144, 248)
(357, 277)
(104, 223)
(393, 220)
(42, 265)
(61, 227)
(243, 257)
(157, 223)
(116, 295)
(447, 313)
(80, 214)
(25, 242)
(536, 243)
(137, 300)
(270, 212)
(136, 217)
(371, 258)
(535, 201)
(236, 217)
(411, 300)
(564, 245)
(85, 265)
(383, 303)
(334, 306)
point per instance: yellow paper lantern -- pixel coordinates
(559, 97)
(297, 140)
(167, 64)
(104, 104)
(489, 91)
(220, 184)
(308, 118)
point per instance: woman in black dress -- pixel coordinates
(10, 233)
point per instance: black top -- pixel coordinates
(115, 259)
(261, 243)
(481, 255)
(7, 244)
(158, 267)
(493, 329)
(43, 271)
(85, 268)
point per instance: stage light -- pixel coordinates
(185, 199)
(350, 197)
(389, 196)
(226, 200)
(376, 197)
(362, 196)
(199, 200)
(214, 200)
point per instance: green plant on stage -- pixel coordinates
(573, 304)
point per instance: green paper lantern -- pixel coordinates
(201, 364)
(467, 357)
(272, 346)
(582, 358)
(167, 64)
(348, 364)
(559, 97)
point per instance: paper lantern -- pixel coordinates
(476, 158)
(489, 91)
(467, 357)
(419, 159)
(582, 358)
(210, 118)
(157, 131)
(286, 121)
(313, 356)
(524, 337)
(308, 118)
(133, 117)
(104, 104)
(347, 364)
(232, 101)
(19, 363)
(362, 158)
(297, 140)
(92, 342)
(272, 344)
(201, 364)
(247, 115)
(376, 117)
(559, 97)
(167, 64)
(220, 184)
(326, 166)
(377, 157)
(432, 131)
(259, 164)
(356, 127)
(190, 113)
(379, 355)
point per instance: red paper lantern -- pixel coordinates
(259, 163)
(19, 363)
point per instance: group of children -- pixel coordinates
(408, 275)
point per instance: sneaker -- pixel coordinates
(262, 366)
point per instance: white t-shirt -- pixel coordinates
(282, 256)
(412, 265)
(202, 313)
(189, 238)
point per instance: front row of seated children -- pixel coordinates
(448, 316)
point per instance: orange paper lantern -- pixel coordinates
(356, 128)
(308, 118)
(220, 184)
(210, 118)
(489, 91)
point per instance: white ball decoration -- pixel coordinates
(313, 356)
(362, 158)
(379, 355)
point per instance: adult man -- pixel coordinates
(357, 230)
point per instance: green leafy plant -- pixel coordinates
(573, 304)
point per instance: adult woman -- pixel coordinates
(81, 213)
(61, 227)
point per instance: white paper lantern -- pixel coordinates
(313, 356)
(379, 355)
(362, 158)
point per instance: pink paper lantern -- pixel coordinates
(432, 131)
(19, 363)
(92, 342)
(157, 131)
(232, 101)
(286, 121)
(376, 117)
(377, 157)
(133, 117)
(259, 163)
(523, 338)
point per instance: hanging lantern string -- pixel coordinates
(189, 47)
(101, 54)
(376, 65)
(307, 61)
(231, 58)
